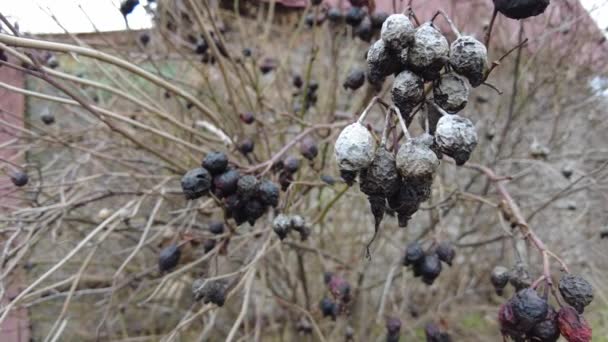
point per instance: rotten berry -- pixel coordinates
(573, 325)
(429, 52)
(407, 92)
(576, 291)
(397, 32)
(499, 278)
(291, 164)
(281, 225)
(456, 137)
(451, 92)
(225, 184)
(354, 148)
(469, 58)
(529, 309)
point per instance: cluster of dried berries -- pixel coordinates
(284, 224)
(245, 197)
(427, 264)
(210, 291)
(518, 277)
(529, 317)
(339, 295)
(358, 16)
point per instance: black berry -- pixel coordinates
(225, 184)
(354, 80)
(445, 252)
(19, 178)
(529, 308)
(414, 254)
(195, 183)
(268, 193)
(354, 16)
(291, 164)
(521, 9)
(308, 148)
(216, 227)
(247, 118)
(215, 162)
(246, 146)
(169, 257)
(576, 291)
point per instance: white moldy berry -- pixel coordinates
(451, 92)
(469, 57)
(456, 137)
(397, 31)
(429, 52)
(407, 92)
(415, 159)
(354, 148)
(380, 61)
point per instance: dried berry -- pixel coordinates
(434, 334)
(430, 268)
(547, 330)
(445, 252)
(451, 92)
(519, 277)
(354, 16)
(210, 291)
(573, 326)
(339, 288)
(397, 32)
(528, 309)
(508, 323)
(334, 15)
(414, 254)
(405, 202)
(380, 62)
(196, 182)
(381, 177)
(538, 150)
(246, 146)
(329, 308)
(254, 209)
(469, 58)
(521, 9)
(268, 193)
(297, 222)
(576, 291)
(407, 92)
(126, 7)
(364, 30)
(169, 257)
(19, 178)
(354, 80)
(354, 148)
(268, 64)
(234, 208)
(378, 20)
(47, 117)
(281, 226)
(429, 52)
(225, 184)
(415, 159)
(291, 164)
(285, 179)
(247, 186)
(456, 137)
(247, 52)
(215, 162)
(393, 329)
(247, 117)
(216, 227)
(308, 148)
(499, 278)
(297, 81)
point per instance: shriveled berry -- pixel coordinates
(547, 330)
(308, 148)
(469, 58)
(268, 64)
(19, 178)
(406, 201)
(247, 117)
(381, 177)
(397, 32)
(573, 325)
(378, 19)
(225, 184)
(247, 186)
(196, 182)
(451, 92)
(429, 52)
(508, 323)
(519, 277)
(216, 227)
(381, 62)
(576, 291)
(254, 209)
(456, 137)
(47, 118)
(445, 252)
(430, 268)
(354, 16)
(521, 9)
(334, 15)
(354, 80)
(529, 308)
(297, 222)
(291, 164)
(210, 291)
(414, 254)
(215, 162)
(328, 307)
(364, 30)
(407, 92)
(281, 225)
(268, 193)
(393, 329)
(246, 146)
(313, 86)
(416, 160)
(234, 205)
(499, 278)
(169, 257)
(354, 148)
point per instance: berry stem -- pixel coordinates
(450, 22)
(367, 109)
(401, 122)
(489, 33)
(385, 129)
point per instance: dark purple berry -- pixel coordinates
(414, 254)
(308, 148)
(254, 209)
(126, 7)
(334, 15)
(528, 308)
(216, 227)
(393, 329)
(208, 245)
(247, 186)
(195, 183)
(285, 179)
(169, 257)
(246, 146)
(47, 118)
(215, 162)
(201, 48)
(268, 193)
(547, 330)
(329, 308)
(445, 252)
(576, 291)
(225, 184)
(268, 64)
(354, 80)
(297, 81)
(291, 164)
(430, 268)
(247, 118)
(434, 334)
(499, 278)
(19, 178)
(144, 39)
